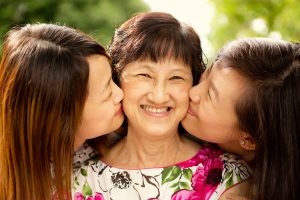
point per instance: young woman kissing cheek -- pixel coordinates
(211, 115)
(102, 111)
(156, 95)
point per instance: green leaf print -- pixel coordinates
(165, 173)
(171, 173)
(76, 182)
(187, 173)
(229, 180)
(86, 189)
(174, 185)
(228, 175)
(177, 189)
(83, 172)
(184, 185)
(239, 178)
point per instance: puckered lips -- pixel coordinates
(161, 111)
(191, 111)
(119, 111)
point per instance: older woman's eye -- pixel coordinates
(144, 75)
(176, 78)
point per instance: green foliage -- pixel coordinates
(86, 189)
(96, 17)
(187, 173)
(170, 174)
(234, 19)
(180, 178)
(83, 172)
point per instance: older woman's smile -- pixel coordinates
(156, 111)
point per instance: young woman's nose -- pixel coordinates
(118, 94)
(195, 93)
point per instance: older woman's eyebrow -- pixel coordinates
(184, 70)
(139, 67)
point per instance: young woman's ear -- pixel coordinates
(247, 142)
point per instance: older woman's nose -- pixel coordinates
(159, 94)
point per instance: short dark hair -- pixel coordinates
(269, 110)
(156, 36)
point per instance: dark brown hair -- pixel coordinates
(269, 110)
(44, 83)
(156, 36)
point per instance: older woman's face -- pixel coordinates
(156, 95)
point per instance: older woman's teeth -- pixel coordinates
(155, 110)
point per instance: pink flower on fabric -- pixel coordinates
(98, 196)
(201, 157)
(79, 196)
(211, 174)
(186, 195)
(205, 179)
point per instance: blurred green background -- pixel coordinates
(99, 18)
(255, 18)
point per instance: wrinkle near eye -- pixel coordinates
(125, 76)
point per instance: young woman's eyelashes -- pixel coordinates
(209, 96)
(205, 77)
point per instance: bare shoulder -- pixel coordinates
(237, 192)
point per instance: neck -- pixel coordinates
(78, 142)
(136, 151)
(248, 157)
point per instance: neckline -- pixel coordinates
(180, 164)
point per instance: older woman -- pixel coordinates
(156, 61)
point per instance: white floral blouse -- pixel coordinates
(205, 176)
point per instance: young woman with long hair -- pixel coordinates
(56, 91)
(248, 102)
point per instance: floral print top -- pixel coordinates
(83, 154)
(205, 176)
